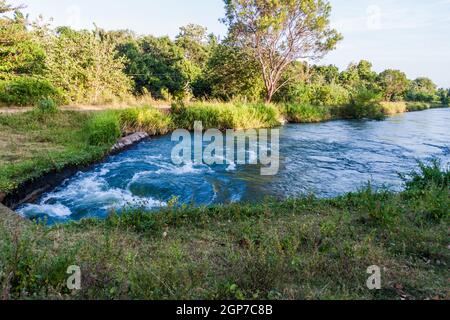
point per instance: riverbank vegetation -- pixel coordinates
(46, 139)
(109, 67)
(295, 249)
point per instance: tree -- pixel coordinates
(193, 39)
(325, 74)
(157, 65)
(5, 8)
(19, 53)
(422, 89)
(85, 67)
(197, 46)
(233, 73)
(444, 96)
(359, 75)
(279, 32)
(394, 84)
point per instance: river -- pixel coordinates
(327, 159)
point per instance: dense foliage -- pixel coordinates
(101, 67)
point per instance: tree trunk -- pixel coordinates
(270, 92)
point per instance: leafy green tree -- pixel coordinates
(197, 46)
(367, 77)
(20, 55)
(157, 65)
(350, 77)
(359, 75)
(233, 73)
(85, 67)
(325, 74)
(394, 84)
(444, 96)
(279, 32)
(422, 89)
(194, 41)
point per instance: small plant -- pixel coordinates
(103, 129)
(429, 174)
(226, 115)
(47, 106)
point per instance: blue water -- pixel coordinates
(327, 159)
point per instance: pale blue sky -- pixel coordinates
(411, 35)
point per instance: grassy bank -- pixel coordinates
(295, 249)
(34, 143)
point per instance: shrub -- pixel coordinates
(24, 91)
(314, 94)
(428, 190)
(147, 119)
(429, 174)
(305, 113)
(47, 105)
(329, 95)
(103, 129)
(417, 106)
(364, 104)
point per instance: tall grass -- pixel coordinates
(146, 119)
(391, 108)
(226, 115)
(417, 106)
(305, 113)
(103, 128)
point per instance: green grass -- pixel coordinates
(226, 115)
(295, 249)
(145, 119)
(303, 113)
(35, 143)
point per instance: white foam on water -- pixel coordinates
(232, 167)
(55, 210)
(87, 189)
(188, 168)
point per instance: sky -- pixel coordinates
(410, 35)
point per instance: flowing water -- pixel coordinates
(326, 159)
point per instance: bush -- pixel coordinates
(150, 120)
(329, 95)
(103, 129)
(305, 113)
(429, 174)
(428, 190)
(417, 106)
(25, 91)
(364, 104)
(317, 95)
(47, 105)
